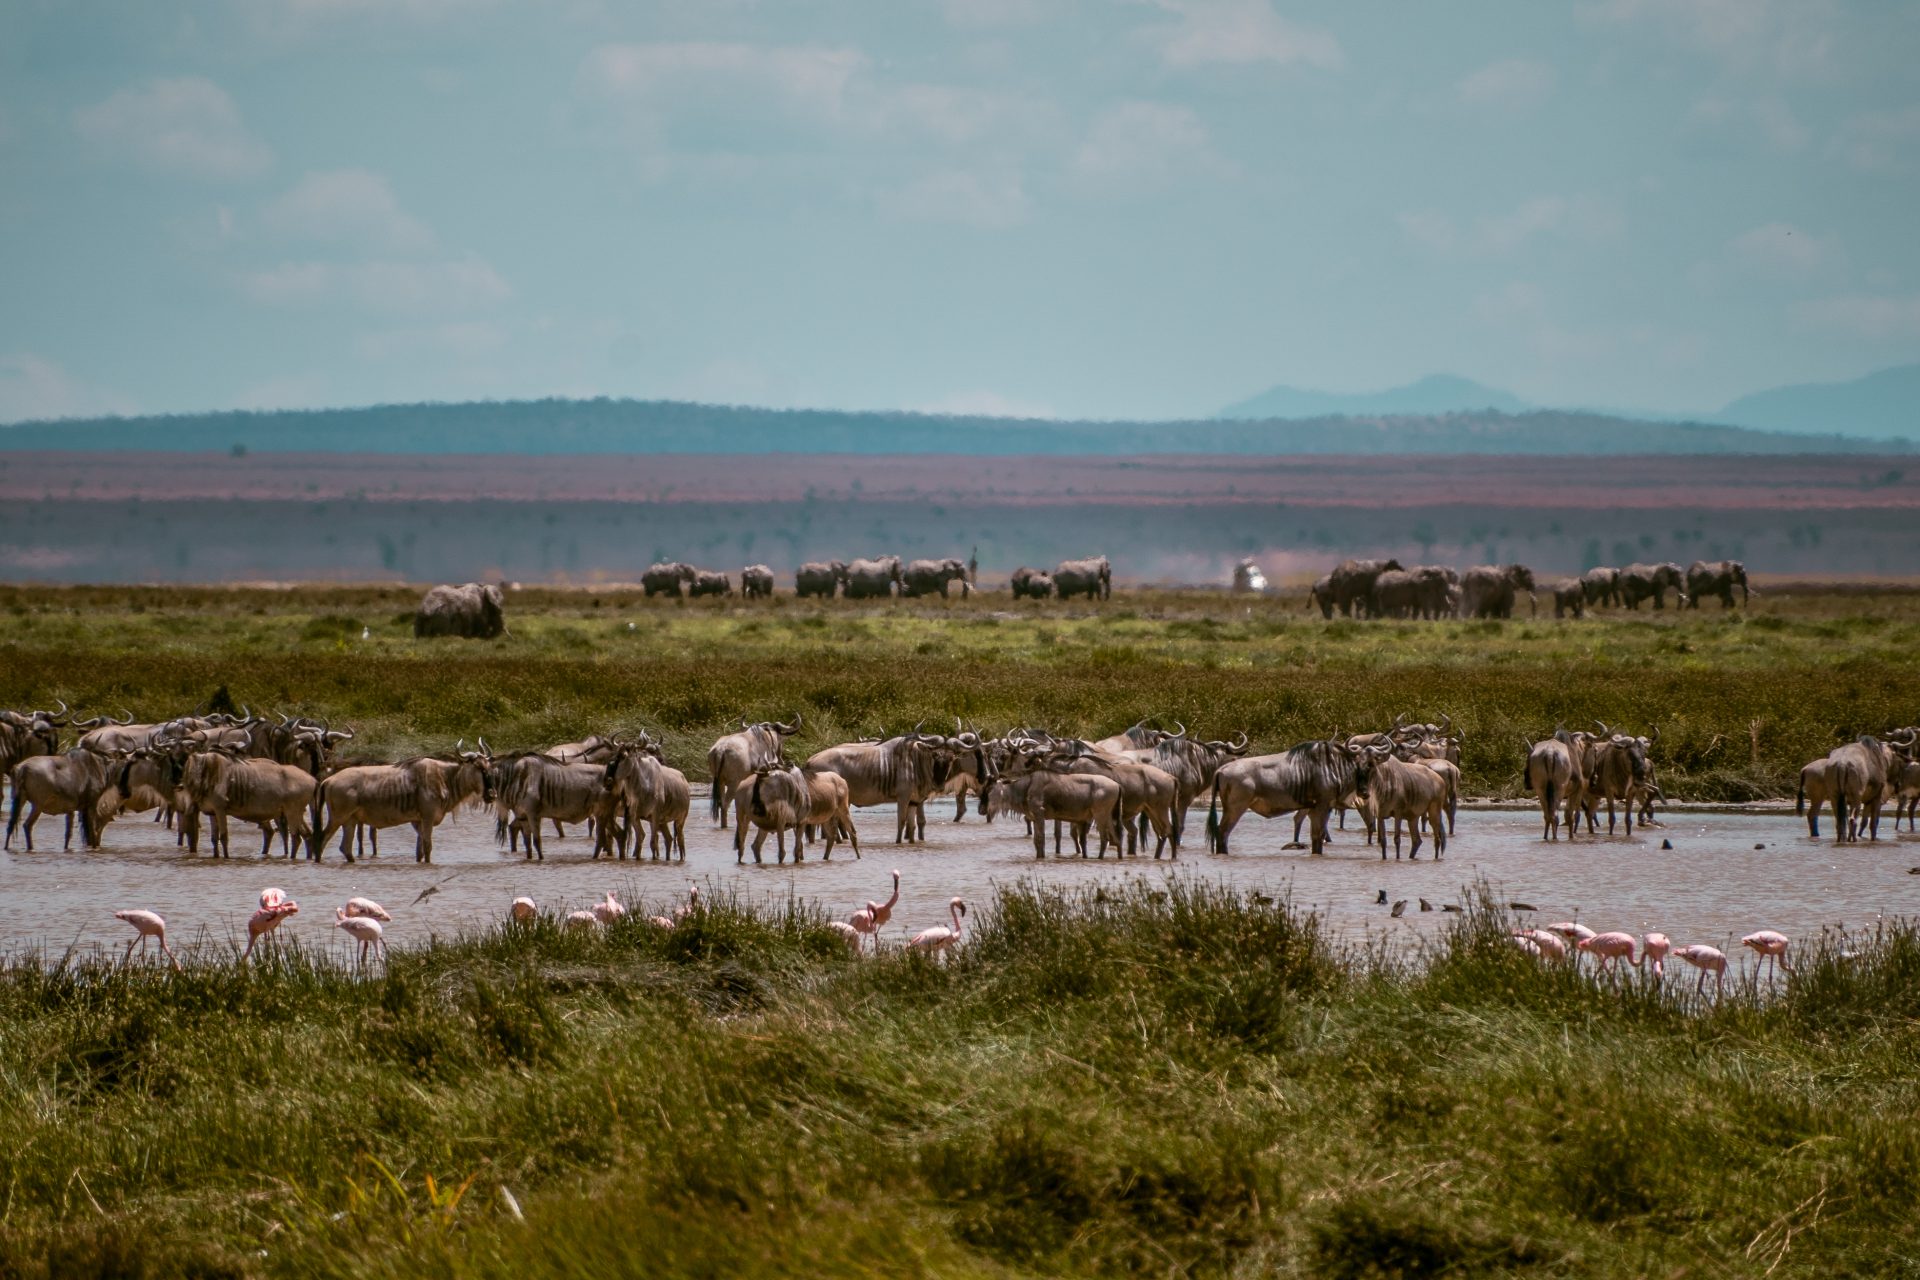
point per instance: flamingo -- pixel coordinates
(524, 911)
(1707, 960)
(1528, 945)
(883, 911)
(1610, 947)
(940, 937)
(146, 924)
(1545, 942)
(367, 907)
(693, 904)
(849, 934)
(268, 918)
(365, 929)
(1771, 946)
(1572, 931)
(581, 920)
(1653, 951)
(609, 911)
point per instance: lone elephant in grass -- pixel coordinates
(1716, 578)
(476, 611)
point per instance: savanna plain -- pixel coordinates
(1189, 1081)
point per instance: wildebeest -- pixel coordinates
(1813, 793)
(1557, 776)
(223, 785)
(907, 770)
(927, 577)
(1618, 771)
(476, 611)
(1045, 790)
(1031, 584)
(1351, 582)
(540, 788)
(72, 782)
(648, 790)
(819, 578)
(1192, 763)
(736, 755)
(1857, 784)
(1651, 582)
(1488, 590)
(1397, 791)
(1145, 791)
(1601, 585)
(665, 577)
(27, 734)
(829, 809)
(421, 791)
(1310, 775)
(871, 579)
(1569, 596)
(1716, 578)
(773, 798)
(756, 582)
(1092, 578)
(710, 582)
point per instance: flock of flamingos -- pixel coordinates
(362, 920)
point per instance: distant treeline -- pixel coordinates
(665, 426)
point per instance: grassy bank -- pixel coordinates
(1184, 1084)
(1742, 698)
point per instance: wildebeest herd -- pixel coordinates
(283, 774)
(1388, 589)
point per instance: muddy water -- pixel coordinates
(1713, 886)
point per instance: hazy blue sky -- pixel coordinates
(1078, 207)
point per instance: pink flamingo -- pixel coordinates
(693, 904)
(869, 919)
(369, 908)
(1527, 945)
(268, 917)
(1571, 931)
(609, 911)
(1653, 951)
(1771, 946)
(849, 934)
(940, 938)
(524, 911)
(146, 924)
(1610, 947)
(581, 920)
(1545, 942)
(1708, 960)
(364, 929)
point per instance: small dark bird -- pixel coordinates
(1521, 906)
(1425, 905)
(430, 890)
(1666, 844)
(1913, 871)
(1760, 846)
(1449, 906)
(1381, 901)
(1399, 909)
(1260, 900)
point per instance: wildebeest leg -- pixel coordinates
(960, 803)
(68, 842)
(1039, 833)
(559, 830)
(1319, 828)
(266, 837)
(759, 839)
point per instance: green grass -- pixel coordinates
(1164, 1082)
(1742, 698)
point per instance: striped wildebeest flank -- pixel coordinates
(72, 782)
(1716, 578)
(736, 755)
(820, 578)
(1601, 584)
(932, 577)
(1402, 791)
(829, 810)
(1192, 763)
(1618, 771)
(422, 792)
(1557, 776)
(665, 578)
(1042, 783)
(1351, 583)
(473, 611)
(773, 798)
(907, 770)
(1031, 584)
(1569, 597)
(1092, 578)
(649, 790)
(710, 582)
(1135, 737)
(1489, 590)
(1146, 792)
(541, 788)
(1310, 775)
(873, 579)
(756, 582)
(1651, 582)
(223, 783)
(1856, 777)
(25, 734)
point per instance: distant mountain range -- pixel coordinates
(674, 427)
(1879, 406)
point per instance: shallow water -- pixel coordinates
(1713, 886)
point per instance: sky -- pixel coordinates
(1083, 208)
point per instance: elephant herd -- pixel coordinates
(1387, 589)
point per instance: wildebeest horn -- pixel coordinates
(1448, 727)
(485, 750)
(1604, 731)
(1400, 720)
(1181, 732)
(339, 734)
(1654, 736)
(1242, 744)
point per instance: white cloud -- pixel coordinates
(1769, 119)
(1791, 37)
(796, 77)
(959, 116)
(1579, 218)
(184, 126)
(399, 287)
(1513, 82)
(1240, 33)
(985, 404)
(348, 206)
(33, 387)
(1142, 142)
(1881, 141)
(992, 200)
(1878, 317)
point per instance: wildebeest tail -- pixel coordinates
(13, 816)
(1213, 817)
(1800, 796)
(715, 802)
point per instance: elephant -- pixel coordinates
(1716, 578)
